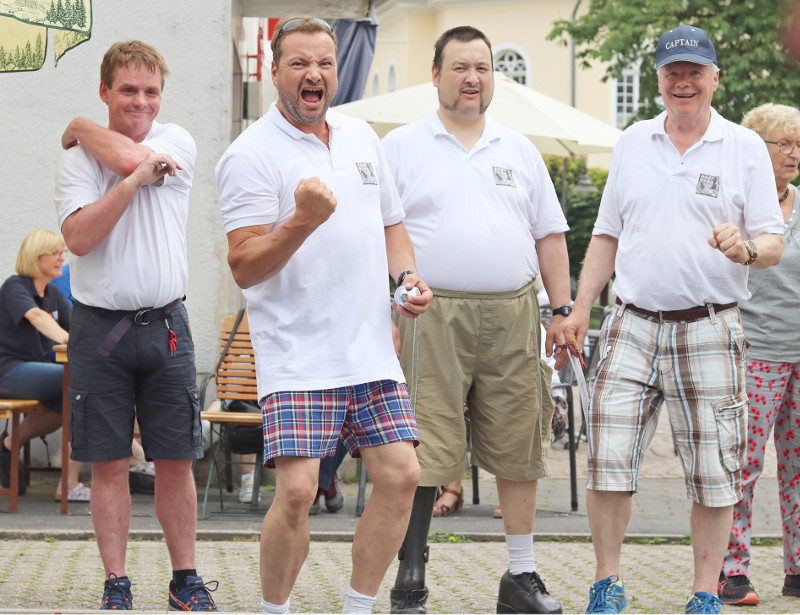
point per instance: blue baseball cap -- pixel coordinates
(685, 43)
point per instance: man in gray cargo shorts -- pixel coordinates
(122, 195)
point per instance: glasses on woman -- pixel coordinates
(785, 147)
(57, 253)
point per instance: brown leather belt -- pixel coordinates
(694, 313)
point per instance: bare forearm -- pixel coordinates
(770, 250)
(46, 325)
(88, 227)
(399, 250)
(554, 268)
(255, 254)
(598, 266)
(114, 150)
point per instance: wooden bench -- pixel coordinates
(12, 409)
(235, 380)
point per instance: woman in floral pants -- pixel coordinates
(773, 374)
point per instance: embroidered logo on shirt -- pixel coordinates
(503, 177)
(708, 185)
(367, 173)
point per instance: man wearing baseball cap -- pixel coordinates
(689, 207)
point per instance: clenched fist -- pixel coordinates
(314, 202)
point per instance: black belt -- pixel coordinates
(128, 318)
(693, 313)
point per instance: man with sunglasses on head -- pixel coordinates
(122, 195)
(314, 225)
(688, 208)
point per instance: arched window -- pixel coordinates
(512, 63)
(391, 79)
(375, 88)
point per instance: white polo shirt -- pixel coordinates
(473, 216)
(142, 263)
(663, 208)
(323, 321)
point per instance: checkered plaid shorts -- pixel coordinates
(697, 369)
(308, 423)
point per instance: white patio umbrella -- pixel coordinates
(554, 127)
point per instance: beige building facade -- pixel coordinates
(518, 32)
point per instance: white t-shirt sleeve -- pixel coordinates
(391, 206)
(548, 218)
(248, 194)
(78, 182)
(609, 220)
(177, 142)
(761, 211)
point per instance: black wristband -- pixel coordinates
(403, 275)
(564, 310)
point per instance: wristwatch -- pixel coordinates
(752, 250)
(403, 275)
(564, 310)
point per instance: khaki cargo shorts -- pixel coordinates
(482, 349)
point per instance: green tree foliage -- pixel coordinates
(581, 209)
(754, 66)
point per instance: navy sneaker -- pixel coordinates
(736, 589)
(194, 596)
(117, 594)
(791, 585)
(703, 602)
(607, 596)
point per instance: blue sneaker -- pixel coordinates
(117, 594)
(703, 602)
(607, 596)
(194, 596)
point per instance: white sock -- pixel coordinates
(520, 553)
(357, 603)
(268, 607)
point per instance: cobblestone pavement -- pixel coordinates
(65, 576)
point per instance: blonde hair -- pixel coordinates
(38, 242)
(127, 52)
(770, 118)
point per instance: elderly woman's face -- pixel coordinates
(783, 165)
(50, 264)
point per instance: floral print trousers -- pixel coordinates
(773, 391)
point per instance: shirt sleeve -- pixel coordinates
(17, 299)
(177, 142)
(248, 194)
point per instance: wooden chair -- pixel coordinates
(235, 380)
(12, 409)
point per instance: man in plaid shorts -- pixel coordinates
(689, 204)
(314, 224)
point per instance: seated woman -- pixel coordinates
(34, 317)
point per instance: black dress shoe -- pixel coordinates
(408, 600)
(525, 593)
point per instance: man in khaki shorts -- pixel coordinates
(485, 221)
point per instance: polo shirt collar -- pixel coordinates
(714, 131)
(490, 130)
(274, 115)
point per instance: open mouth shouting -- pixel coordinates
(312, 95)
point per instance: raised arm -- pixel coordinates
(87, 227)
(113, 149)
(598, 266)
(255, 253)
(727, 239)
